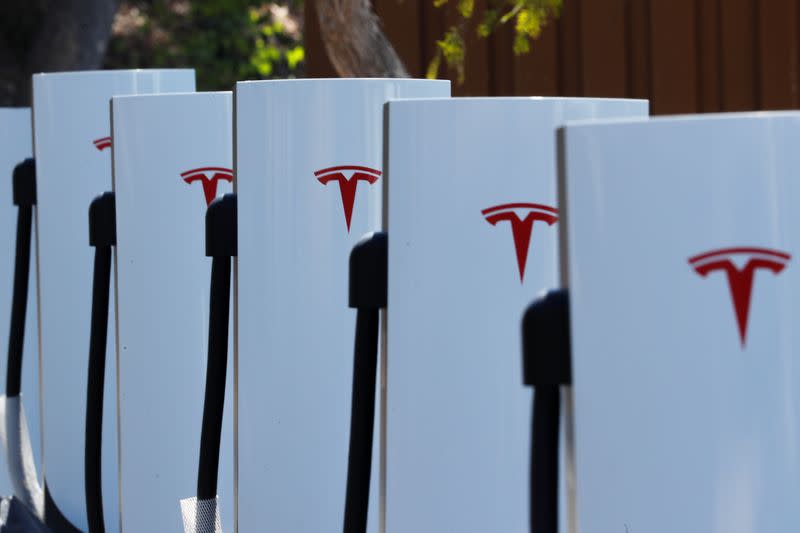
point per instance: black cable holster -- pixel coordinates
(546, 366)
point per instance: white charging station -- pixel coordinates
(473, 229)
(15, 146)
(681, 257)
(72, 145)
(308, 176)
(172, 156)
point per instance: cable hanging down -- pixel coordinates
(24, 192)
(21, 465)
(368, 289)
(221, 247)
(102, 236)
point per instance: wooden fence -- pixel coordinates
(684, 55)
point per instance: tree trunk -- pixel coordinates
(67, 35)
(355, 41)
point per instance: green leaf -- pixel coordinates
(487, 25)
(295, 56)
(466, 7)
(433, 68)
(529, 16)
(521, 44)
(453, 50)
(528, 23)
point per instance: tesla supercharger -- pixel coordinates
(473, 228)
(15, 146)
(72, 145)
(681, 260)
(172, 157)
(308, 178)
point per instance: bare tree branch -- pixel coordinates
(356, 44)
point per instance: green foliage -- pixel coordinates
(466, 7)
(529, 16)
(224, 40)
(452, 49)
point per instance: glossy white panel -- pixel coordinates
(15, 146)
(295, 331)
(73, 158)
(685, 422)
(466, 179)
(169, 150)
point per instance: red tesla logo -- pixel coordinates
(209, 177)
(521, 216)
(102, 143)
(347, 185)
(740, 278)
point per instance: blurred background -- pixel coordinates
(684, 55)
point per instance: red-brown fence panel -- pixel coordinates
(686, 56)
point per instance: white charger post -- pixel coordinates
(172, 158)
(473, 226)
(681, 260)
(72, 145)
(309, 165)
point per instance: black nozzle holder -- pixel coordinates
(546, 353)
(369, 272)
(24, 183)
(221, 227)
(103, 221)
